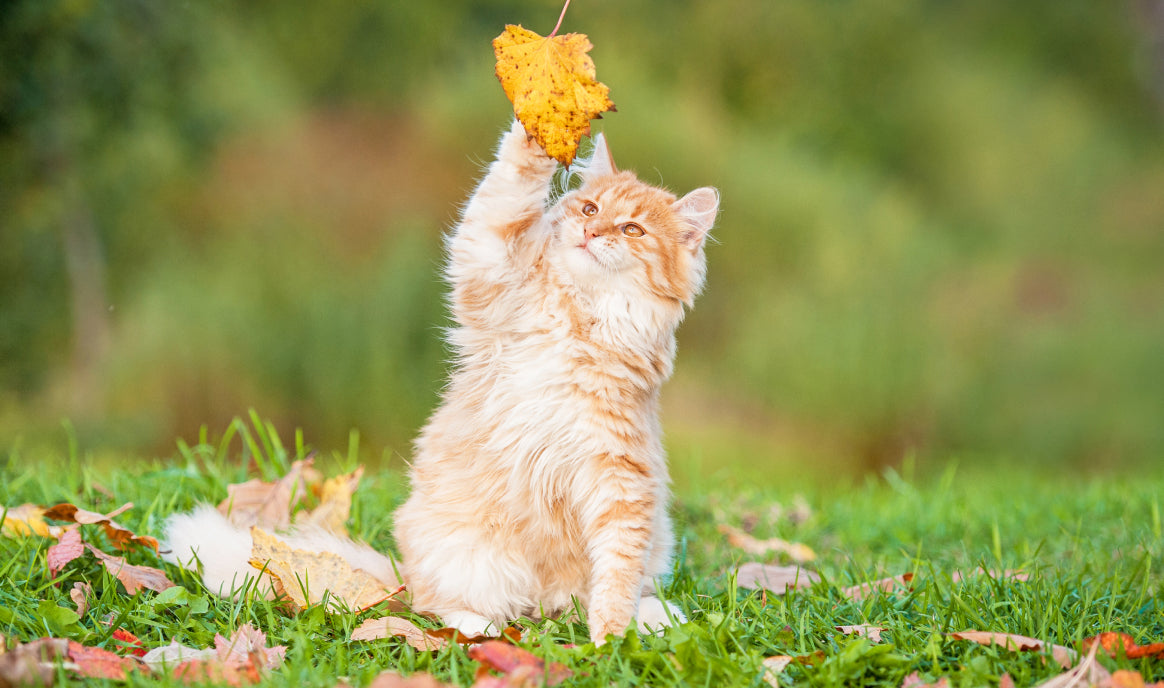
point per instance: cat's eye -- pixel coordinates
(632, 230)
(589, 209)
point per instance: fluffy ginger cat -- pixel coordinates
(542, 476)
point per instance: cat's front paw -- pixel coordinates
(519, 147)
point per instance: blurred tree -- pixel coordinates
(95, 107)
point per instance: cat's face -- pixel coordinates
(619, 232)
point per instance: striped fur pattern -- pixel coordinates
(541, 476)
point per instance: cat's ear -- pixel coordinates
(697, 211)
(601, 163)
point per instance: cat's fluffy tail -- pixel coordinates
(204, 537)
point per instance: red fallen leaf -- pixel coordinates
(121, 537)
(1114, 643)
(1005, 681)
(1019, 643)
(887, 585)
(203, 671)
(95, 662)
(517, 664)
(914, 680)
(510, 633)
(134, 578)
(132, 645)
(68, 548)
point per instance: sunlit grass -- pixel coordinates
(1091, 547)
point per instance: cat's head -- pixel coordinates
(618, 232)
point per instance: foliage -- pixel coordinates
(1088, 547)
(940, 229)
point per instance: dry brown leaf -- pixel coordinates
(797, 551)
(518, 666)
(1087, 673)
(134, 578)
(1116, 643)
(335, 503)
(120, 536)
(873, 633)
(32, 663)
(772, 668)
(778, 579)
(68, 548)
(26, 520)
(264, 504)
(914, 680)
(552, 84)
(292, 570)
(245, 644)
(886, 585)
(80, 595)
(1065, 656)
(389, 626)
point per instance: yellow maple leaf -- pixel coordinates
(303, 576)
(552, 84)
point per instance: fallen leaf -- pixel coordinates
(95, 662)
(247, 642)
(517, 664)
(335, 503)
(395, 626)
(1087, 673)
(1019, 643)
(1124, 678)
(391, 679)
(32, 663)
(873, 633)
(1005, 681)
(892, 584)
(26, 520)
(915, 680)
(772, 668)
(131, 644)
(1115, 643)
(320, 573)
(209, 671)
(68, 548)
(264, 504)
(120, 536)
(510, 633)
(80, 595)
(778, 579)
(798, 552)
(174, 654)
(552, 84)
(134, 578)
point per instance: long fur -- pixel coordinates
(541, 476)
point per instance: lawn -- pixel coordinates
(1055, 557)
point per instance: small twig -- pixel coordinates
(560, 18)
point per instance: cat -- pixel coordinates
(541, 477)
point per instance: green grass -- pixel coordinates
(1091, 544)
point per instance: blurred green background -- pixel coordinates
(942, 230)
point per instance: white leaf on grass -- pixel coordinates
(777, 579)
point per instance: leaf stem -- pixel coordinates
(560, 18)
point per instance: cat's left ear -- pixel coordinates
(601, 162)
(697, 211)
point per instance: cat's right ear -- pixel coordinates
(697, 211)
(601, 162)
